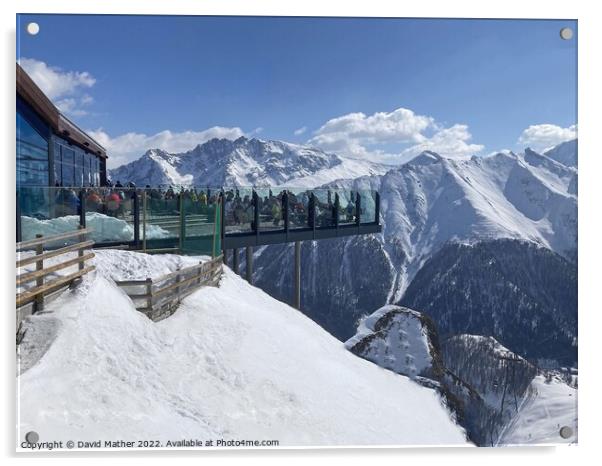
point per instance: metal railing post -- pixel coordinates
(285, 211)
(336, 210)
(182, 221)
(136, 206)
(256, 213)
(358, 209)
(312, 212)
(377, 208)
(82, 208)
(144, 221)
(223, 223)
(249, 264)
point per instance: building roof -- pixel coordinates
(60, 124)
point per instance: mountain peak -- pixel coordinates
(565, 153)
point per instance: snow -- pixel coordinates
(547, 408)
(104, 228)
(231, 363)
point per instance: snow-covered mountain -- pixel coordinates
(425, 204)
(243, 162)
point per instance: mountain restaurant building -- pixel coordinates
(51, 149)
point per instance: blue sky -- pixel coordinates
(380, 88)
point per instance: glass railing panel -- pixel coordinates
(368, 206)
(347, 206)
(324, 205)
(298, 208)
(48, 212)
(110, 214)
(238, 213)
(159, 216)
(270, 209)
(200, 227)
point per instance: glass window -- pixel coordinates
(32, 155)
(58, 176)
(78, 167)
(87, 169)
(68, 166)
(27, 134)
(96, 172)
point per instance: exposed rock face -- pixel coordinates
(481, 381)
(401, 340)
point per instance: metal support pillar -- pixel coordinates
(225, 256)
(235, 260)
(297, 301)
(249, 264)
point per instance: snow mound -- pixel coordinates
(231, 363)
(104, 228)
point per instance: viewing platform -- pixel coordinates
(198, 221)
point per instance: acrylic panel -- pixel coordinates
(261, 232)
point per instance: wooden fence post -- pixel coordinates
(39, 301)
(178, 279)
(149, 295)
(80, 252)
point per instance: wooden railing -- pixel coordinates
(158, 298)
(44, 286)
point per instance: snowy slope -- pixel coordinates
(243, 162)
(547, 408)
(232, 363)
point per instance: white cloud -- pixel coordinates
(300, 131)
(450, 142)
(545, 136)
(402, 132)
(64, 88)
(129, 146)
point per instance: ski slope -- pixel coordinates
(231, 363)
(547, 408)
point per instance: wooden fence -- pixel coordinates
(159, 298)
(32, 299)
